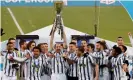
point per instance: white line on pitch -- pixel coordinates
(15, 21)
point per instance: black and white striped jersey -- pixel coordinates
(9, 70)
(73, 68)
(24, 66)
(130, 67)
(124, 57)
(58, 64)
(101, 59)
(85, 68)
(46, 68)
(22, 54)
(117, 67)
(36, 65)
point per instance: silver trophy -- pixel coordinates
(58, 21)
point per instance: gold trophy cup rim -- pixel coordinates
(58, 3)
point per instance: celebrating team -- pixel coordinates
(85, 62)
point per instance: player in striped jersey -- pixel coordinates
(9, 70)
(73, 70)
(46, 71)
(36, 65)
(124, 54)
(102, 61)
(119, 66)
(24, 66)
(124, 57)
(91, 48)
(85, 66)
(46, 68)
(58, 64)
(11, 65)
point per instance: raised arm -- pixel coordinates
(65, 40)
(64, 35)
(131, 38)
(18, 59)
(51, 40)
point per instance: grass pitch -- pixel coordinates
(113, 21)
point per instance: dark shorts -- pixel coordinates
(72, 78)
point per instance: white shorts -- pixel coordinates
(58, 76)
(5, 77)
(45, 77)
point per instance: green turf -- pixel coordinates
(8, 25)
(113, 21)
